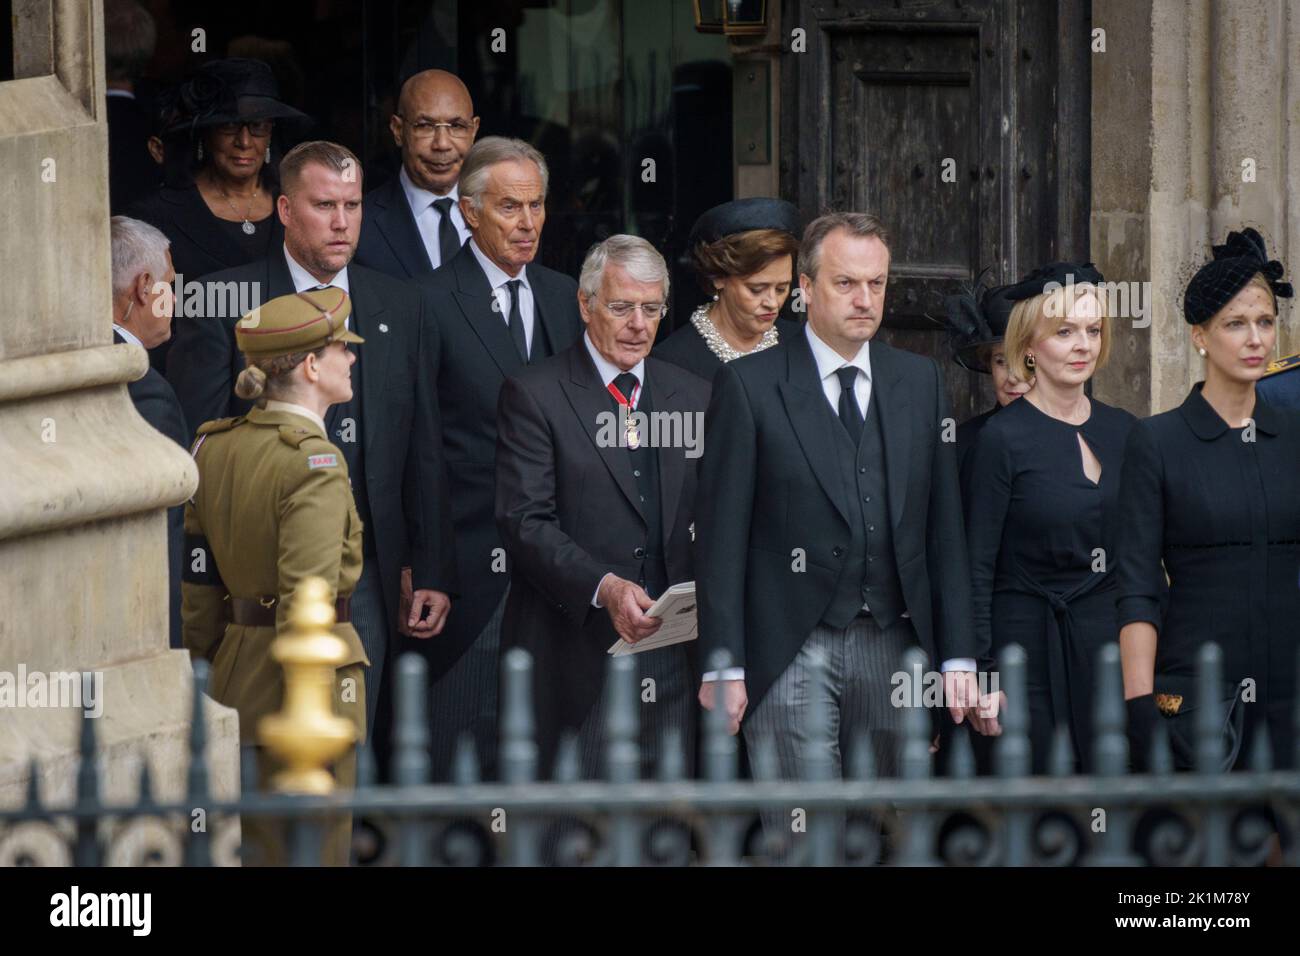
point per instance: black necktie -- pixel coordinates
(448, 237)
(517, 321)
(850, 414)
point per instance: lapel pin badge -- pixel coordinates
(383, 327)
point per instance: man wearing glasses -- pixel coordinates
(495, 312)
(413, 224)
(598, 521)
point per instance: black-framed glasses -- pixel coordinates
(255, 128)
(621, 310)
(424, 129)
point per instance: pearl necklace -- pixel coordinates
(720, 346)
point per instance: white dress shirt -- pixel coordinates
(127, 335)
(828, 363)
(428, 219)
(497, 279)
(608, 371)
(272, 405)
(304, 281)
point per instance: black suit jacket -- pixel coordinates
(569, 512)
(156, 402)
(390, 240)
(469, 357)
(408, 512)
(771, 492)
(132, 173)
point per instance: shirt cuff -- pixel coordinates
(595, 595)
(728, 673)
(958, 664)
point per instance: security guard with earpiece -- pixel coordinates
(273, 507)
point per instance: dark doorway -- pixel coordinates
(963, 124)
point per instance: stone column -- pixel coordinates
(85, 482)
(1211, 92)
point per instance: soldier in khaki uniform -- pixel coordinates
(274, 506)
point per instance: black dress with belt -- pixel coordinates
(1217, 509)
(1041, 537)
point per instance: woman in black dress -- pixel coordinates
(221, 214)
(977, 321)
(1041, 522)
(1211, 500)
(744, 254)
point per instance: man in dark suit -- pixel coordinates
(597, 517)
(829, 520)
(142, 315)
(129, 37)
(413, 223)
(495, 311)
(387, 432)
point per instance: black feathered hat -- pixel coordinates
(1055, 274)
(976, 317)
(1233, 266)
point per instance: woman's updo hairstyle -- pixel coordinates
(267, 379)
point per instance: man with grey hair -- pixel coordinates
(595, 502)
(142, 316)
(830, 525)
(495, 311)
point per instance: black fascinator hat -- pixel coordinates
(1233, 266)
(976, 317)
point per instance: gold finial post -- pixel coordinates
(306, 735)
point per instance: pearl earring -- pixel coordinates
(1202, 351)
(268, 154)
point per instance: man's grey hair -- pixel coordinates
(129, 39)
(137, 247)
(638, 258)
(859, 224)
(485, 154)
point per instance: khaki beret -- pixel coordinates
(301, 322)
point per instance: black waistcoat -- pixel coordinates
(645, 470)
(870, 573)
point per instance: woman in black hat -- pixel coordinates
(223, 214)
(1211, 502)
(977, 321)
(743, 252)
(1041, 523)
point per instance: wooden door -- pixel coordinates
(962, 124)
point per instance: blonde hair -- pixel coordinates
(268, 378)
(1030, 321)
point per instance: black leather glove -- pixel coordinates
(1142, 717)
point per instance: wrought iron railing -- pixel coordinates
(1110, 817)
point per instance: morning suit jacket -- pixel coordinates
(156, 402)
(773, 514)
(390, 240)
(470, 355)
(569, 511)
(403, 485)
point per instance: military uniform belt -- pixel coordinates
(260, 612)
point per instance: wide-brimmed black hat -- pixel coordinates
(743, 215)
(233, 90)
(1056, 275)
(1233, 266)
(976, 317)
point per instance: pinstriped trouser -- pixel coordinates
(859, 661)
(464, 700)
